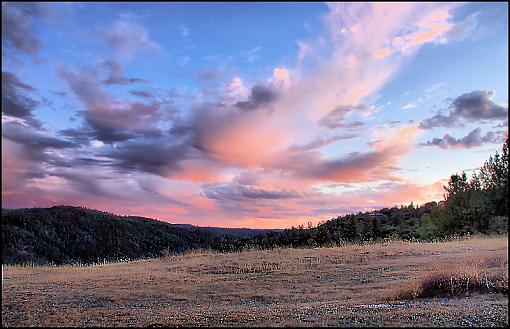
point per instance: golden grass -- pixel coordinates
(482, 274)
(322, 286)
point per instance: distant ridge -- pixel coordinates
(68, 234)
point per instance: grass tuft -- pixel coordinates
(484, 276)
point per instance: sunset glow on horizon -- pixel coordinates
(260, 115)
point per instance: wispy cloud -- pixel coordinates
(127, 37)
(184, 29)
(409, 106)
(251, 55)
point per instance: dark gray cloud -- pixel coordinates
(32, 138)
(79, 136)
(15, 99)
(259, 96)
(132, 131)
(11, 81)
(473, 139)
(60, 93)
(238, 192)
(337, 117)
(158, 156)
(85, 134)
(111, 121)
(438, 120)
(478, 105)
(141, 93)
(17, 31)
(473, 106)
(92, 162)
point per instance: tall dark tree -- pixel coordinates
(494, 180)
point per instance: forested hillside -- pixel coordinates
(65, 234)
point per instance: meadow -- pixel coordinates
(462, 282)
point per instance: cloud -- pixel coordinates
(236, 90)
(409, 106)
(337, 117)
(435, 26)
(304, 50)
(438, 120)
(363, 167)
(157, 156)
(473, 139)
(81, 180)
(18, 167)
(184, 30)
(436, 87)
(464, 29)
(357, 31)
(321, 141)
(341, 81)
(250, 55)
(280, 79)
(474, 106)
(109, 120)
(29, 137)
(238, 134)
(239, 192)
(17, 31)
(207, 75)
(260, 96)
(478, 105)
(29, 153)
(15, 99)
(128, 38)
(141, 93)
(116, 74)
(403, 28)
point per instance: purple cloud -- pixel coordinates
(17, 19)
(473, 139)
(239, 192)
(337, 117)
(16, 100)
(109, 120)
(474, 106)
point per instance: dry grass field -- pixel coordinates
(353, 285)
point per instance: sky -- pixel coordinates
(260, 115)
